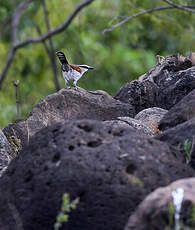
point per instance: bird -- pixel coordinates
(71, 72)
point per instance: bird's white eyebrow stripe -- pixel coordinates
(84, 66)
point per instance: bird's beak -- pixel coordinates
(90, 67)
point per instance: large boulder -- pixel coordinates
(163, 86)
(182, 137)
(157, 210)
(181, 112)
(67, 104)
(110, 171)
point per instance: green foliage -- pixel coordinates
(118, 57)
(66, 208)
(191, 218)
(171, 213)
(189, 222)
(187, 150)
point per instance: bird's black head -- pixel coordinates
(59, 53)
(62, 57)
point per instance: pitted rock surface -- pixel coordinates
(163, 86)
(110, 170)
(141, 95)
(181, 112)
(68, 104)
(154, 211)
(176, 88)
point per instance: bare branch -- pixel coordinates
(51, 51)
(53, 66)
(10, 58)
(137, 15)
(41, 38)
(16, 85)
(15, 21)
(44, 42)
(56, 30)
(16, 18)
(181, 7)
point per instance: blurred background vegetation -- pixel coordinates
(118, 56)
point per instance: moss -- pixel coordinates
(136, 181)
(16, 146)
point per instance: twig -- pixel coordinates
(53, 65)
(51, 51)
(137, 15)
(16, 19)
(10, 58)
(186, 8)
(16, 85)
(41, 38)
(142, 13)
(56, 30)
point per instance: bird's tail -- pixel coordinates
(62, 57)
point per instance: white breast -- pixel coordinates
(72, 75)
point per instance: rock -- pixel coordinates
(67, 104)
(156, 211)
(151, 117)
(110, 170)
(146, 121)
(5, 152)
(191, 58)
(163, 86)
(178, 136)
(141, 95)
(181, 112)
(124, 122)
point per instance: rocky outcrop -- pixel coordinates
(181, 112)
(141, 95)
(182, 137)
(157, 210)
(163, 86)
(68, 104)
(109, 169)
(5, 152)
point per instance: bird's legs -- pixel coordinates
(68, 87)
(75, 84)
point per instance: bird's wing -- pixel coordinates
(75, 67)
